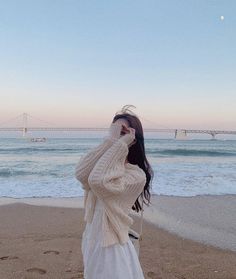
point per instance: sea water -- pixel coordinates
(181, 167)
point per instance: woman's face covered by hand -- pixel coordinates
(126, 129)
(124, 125)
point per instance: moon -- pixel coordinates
(222, 18)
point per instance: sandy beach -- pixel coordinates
(41, 238)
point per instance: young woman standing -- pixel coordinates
(114, 175)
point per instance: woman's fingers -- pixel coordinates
(131, 131)
(128, 130)
(125, 127)
(125, 130)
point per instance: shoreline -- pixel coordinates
(36, 200)
(45, 241)
(207, 219)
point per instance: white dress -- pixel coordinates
(116, 261)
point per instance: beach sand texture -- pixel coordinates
(45, 242)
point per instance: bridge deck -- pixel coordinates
(74, 129)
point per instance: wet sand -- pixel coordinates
(44, 241)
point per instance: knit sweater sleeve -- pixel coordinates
(88, 161)
(107, 177)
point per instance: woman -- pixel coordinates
(113, 176)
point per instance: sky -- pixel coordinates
(76, 63)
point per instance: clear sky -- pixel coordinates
(77, 62)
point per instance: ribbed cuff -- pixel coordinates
(114, 131)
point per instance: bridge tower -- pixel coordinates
(213, 135)
(180, 134)
(24, 124)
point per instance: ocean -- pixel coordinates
(181, 167)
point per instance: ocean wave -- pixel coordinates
(9, 172)
(151, 151)
(190, 152)
(38, 149)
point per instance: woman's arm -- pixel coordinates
(107, 177)
(88, 161)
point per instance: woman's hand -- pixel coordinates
(128, 131)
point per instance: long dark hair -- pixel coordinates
(137, 156)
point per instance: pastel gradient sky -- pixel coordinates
(77, 62)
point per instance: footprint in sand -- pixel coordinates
(37, 270)
(8, 258)
(51, 252)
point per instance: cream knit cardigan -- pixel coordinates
(105, 175)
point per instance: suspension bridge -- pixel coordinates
(24, 128)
